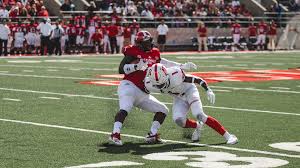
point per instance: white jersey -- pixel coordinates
(176, 85)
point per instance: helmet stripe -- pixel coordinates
(155, 72)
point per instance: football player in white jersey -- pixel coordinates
(182, 87)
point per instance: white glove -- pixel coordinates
(188, 66)
(211, 96)
(142, 65)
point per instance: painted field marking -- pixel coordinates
(53, 98)
(108, 164)
(46, 67)
(28, 71)
(243, 65)
(4, 71)
(109, 98)
(283, 88)
(141, 137)
(254, 89)
(50, 77)
(220, 90)
(9, 99)
(52, 70)
(74, 69)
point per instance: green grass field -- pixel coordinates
(49, 119)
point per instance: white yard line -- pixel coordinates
(141, 137)
(259, 90)
(47, 67)
(28, 71)
(3, 71)
(9, 99)
(220, 90)
(109, 98)
(50, 77)
(53, 98)
(283, 88)
(52, 70)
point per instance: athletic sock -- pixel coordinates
(191, 123)
(117, 127)
(214, 124)
(226, 135)
(154, 128)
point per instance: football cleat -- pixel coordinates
(153, 139)
(197, 133)
(115, 139)
(232, 140)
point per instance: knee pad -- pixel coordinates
(164, 109)
(202, 117)
(180, 122)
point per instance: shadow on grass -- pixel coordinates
(143, 148)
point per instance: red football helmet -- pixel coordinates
(143, 40)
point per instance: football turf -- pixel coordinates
(48, 118)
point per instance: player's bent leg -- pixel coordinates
(115, 137)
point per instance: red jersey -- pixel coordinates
(202, 31)
(252, 31)
(80, 20)
(262, 28)
(236, 28)
(112, 30)
(134, 28)
(272, 29)
(127, 32)
(80, 30)
(72, 30)
(97, 37)
(151, 57)
(95, 21)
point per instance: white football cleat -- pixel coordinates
(196, 135)
(115, 139)
(232, 140)
(153, 139)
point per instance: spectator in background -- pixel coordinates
(252, 36)
(202, 36)
(32, 11)
(127, 34)
(66, 6)
(120, 38)
(3, 12)
(261, 39)
(97, 40)
(134, 28)
(91, 9)
(45, 30)
(162, 32)
(272, 33)
(236, 35)
(4, 35)
(57, 34)
(80, 31)
(130, 9)
(106, 42)
(43, 12)
(112, 34)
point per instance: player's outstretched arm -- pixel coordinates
(185, 66)
(210, 94)
(130, 64)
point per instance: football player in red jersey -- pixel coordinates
(236, 35)
(97, 39)
(132, 92)
(252, 33)
(202, 37)
(72, 36)
(134, 27)
(80, 31)
(272, 33)
(261, 40)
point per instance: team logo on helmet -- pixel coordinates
(142, 36)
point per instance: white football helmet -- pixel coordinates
(158, 76)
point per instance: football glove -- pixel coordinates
(211, 96)
(188, 66)
(142, 65)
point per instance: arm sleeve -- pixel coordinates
(169, 63)
(194, 79)
(125, 66)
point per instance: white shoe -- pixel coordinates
(152, 139)
(232, 140)
(196, 135)
(115, 139)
